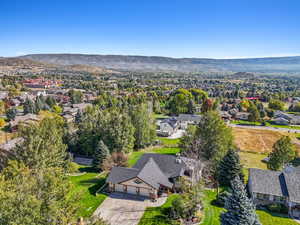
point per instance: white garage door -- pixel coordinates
(131, 190)
(119, 187)
(144, 192)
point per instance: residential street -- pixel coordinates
(265, 128)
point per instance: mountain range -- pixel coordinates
(283, 65)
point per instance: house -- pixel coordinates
(153, 174)
(241, 116)
(168, 126)
(188, 119)
(269, 187)
(282, 116)
(25, 120)
(225, 115)
(12, 143)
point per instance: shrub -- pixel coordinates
(277, 208)
(221, 198)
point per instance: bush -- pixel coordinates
(277, 208)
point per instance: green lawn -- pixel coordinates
(85, 187)
(134, 156)
(268, 124)
(244, 122)
(158, 215)
(160, 116)
(212, 213)
(169, 142)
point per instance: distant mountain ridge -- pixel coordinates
(157, 63)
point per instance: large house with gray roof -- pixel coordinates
(153, 174)
(269, 187)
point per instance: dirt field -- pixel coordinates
(255, 140)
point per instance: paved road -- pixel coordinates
(125, 209)
(266, 128)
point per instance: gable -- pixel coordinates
(137, 182)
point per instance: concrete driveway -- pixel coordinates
(125, 209)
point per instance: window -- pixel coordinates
(137, 181)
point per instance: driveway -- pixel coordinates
(178, 134)
(125, 209)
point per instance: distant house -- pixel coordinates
(188, 119)
(225, 115)
(269, 187)
(241, 116)
(168, 127)
(24, 120)
(9, 145)
(285, 117)
(153, 174)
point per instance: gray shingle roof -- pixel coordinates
(153, 176)
(292, 180)
(276, 183)
(166, 163)
(153, 169)
(121, 174)
(171, 121)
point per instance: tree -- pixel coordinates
(283, 152)
(254, 113)
(229, 168)
(191, 107)
(276, 104)
(214, 136)
(144, 124)
(29, 106)
(101, 154)
(76, 96)
(2, 122)
(11, 114)
(57, 109)
(240, 209)
(35, 196)
(207, 105)
(78, 117)
(43, 145)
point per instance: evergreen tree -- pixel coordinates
(11, 114)
(229, 168)
(214, 136)
(282, 153)
(29, 106)
(191, 107)
(78, 117)
(240, 209)
(101, 154)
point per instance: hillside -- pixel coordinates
(25, 66)
(283, 65)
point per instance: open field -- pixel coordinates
(257, 140)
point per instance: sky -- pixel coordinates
(174, 28)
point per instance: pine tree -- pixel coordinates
(229, 168)
(11, 114)
(101, 153)
(78, 117)
(283, 152)
(240, 209)
(29, 106)
(191, 107)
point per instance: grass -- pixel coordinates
(244, 122)
(160, 116)
(169, 142)
(158, 215)
(85, 186)
(212, 213)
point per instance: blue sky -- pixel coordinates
(176, 28)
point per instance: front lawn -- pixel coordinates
(167, 142)
(212, 213)
(158, 215)
(85, 187)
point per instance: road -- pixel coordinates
(266, 128)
